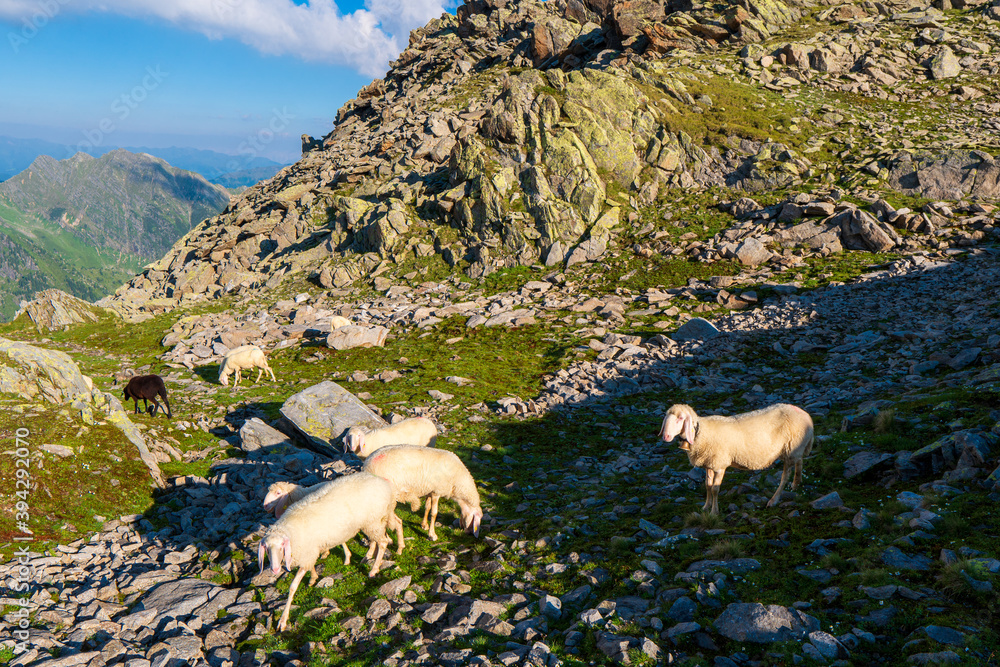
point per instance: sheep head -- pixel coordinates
(276, 499)
(278, 548)
(354, 440)
(471, 518)
(679, 420)
(223, 378)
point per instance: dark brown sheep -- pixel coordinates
(147, 387)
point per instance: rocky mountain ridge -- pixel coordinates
(491, 143)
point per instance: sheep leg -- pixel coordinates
(167, 403)
(268, 369)
(347, 554)
(781, 485)
(394, 518)
(156, 406)
(380, 543)
(713, 481)
(291, 594)
(427, 511)
(260, 371)
(709, 476)
(236, 379)
(434, 513)
(797, 480)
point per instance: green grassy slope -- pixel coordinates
(37, 254)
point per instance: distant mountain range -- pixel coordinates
(227, 170)
(86, 224)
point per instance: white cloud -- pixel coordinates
(365, 40)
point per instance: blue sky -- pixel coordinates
(243, 77)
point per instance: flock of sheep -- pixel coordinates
(402, 465)
(399, 467)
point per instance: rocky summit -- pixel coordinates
(549, 222)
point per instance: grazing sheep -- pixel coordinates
(337, 321)
(282, 494)
(418, 431)
(243, 358)
(748, 441)
(147, 387)
(417, 472)
(329, 517)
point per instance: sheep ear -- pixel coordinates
(260, 556)
(286, 546)
(470, 520)
(279, 508)
(663, 427)
(688, 427)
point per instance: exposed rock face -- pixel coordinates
(55, 309)
(949, 174)
(36, 373)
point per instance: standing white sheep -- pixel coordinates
(418, 472)
(241, 359)
(324, 519)
(281, 495)
(418, 431)
(748, 441)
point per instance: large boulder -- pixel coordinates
(35, 372)
(55, 309)
(697, 328)
(859, 230)
(324, 411)
(345, 338)
(255, 434)
(811, 234)
(753, 622)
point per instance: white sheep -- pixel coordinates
(282, 494)
(417, 472)
(418, 431)
(748, 441)
(241, 359)
(326, 518)
(337, 321)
